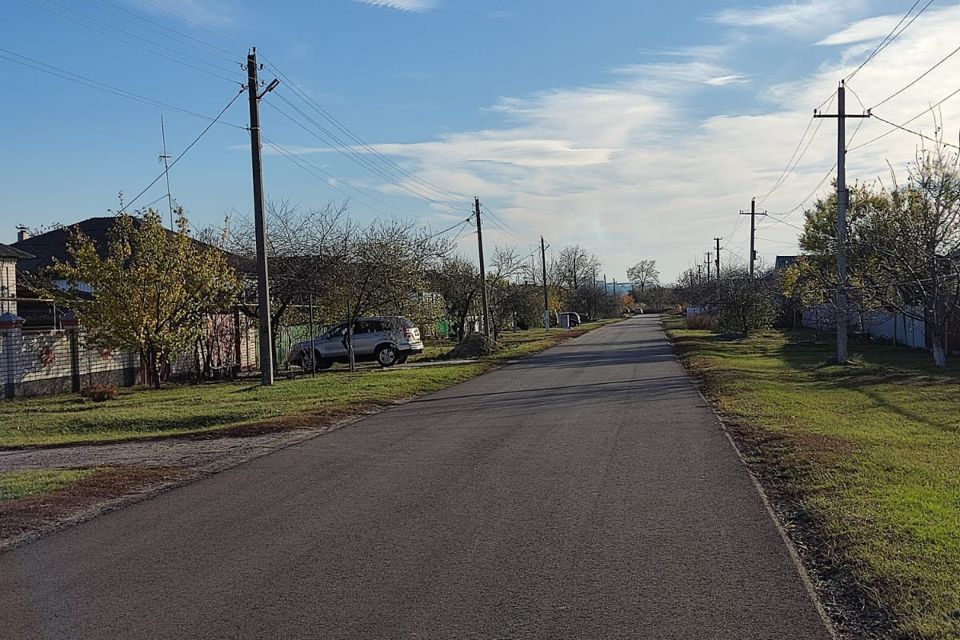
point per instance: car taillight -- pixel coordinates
(408, 333)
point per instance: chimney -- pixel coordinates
(22, 233)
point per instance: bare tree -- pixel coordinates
(506, 264)
(384, 265)
(644, 274)
(458, 281)
(574, 266)
(917, 242)
(304, 246)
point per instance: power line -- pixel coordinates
(499, 223)
(323, 176)
(184, 152)
(346, 151)
(49, 69)
(329, 117)
(133, 43)
(890, 37)
(460, 224)
(176, 34)
(916, 133)
(917, 79)
(903, 124)
(789, 169)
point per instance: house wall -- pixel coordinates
(8, 286)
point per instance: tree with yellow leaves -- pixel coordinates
(151, 290)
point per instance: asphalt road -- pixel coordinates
(583, 493)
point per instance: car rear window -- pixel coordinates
(406, 323)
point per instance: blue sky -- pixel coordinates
(636, 129)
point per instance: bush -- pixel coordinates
(747, 305)
(99, 392)
(701, 321)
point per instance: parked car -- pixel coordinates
(386, 340)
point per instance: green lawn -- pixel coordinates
(23, 484)
(181, 409)
(872, 450)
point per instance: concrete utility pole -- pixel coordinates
(483, 271)
(753, 213)
(843, 196)
(546, 298)
(709, 262)
(263, 284)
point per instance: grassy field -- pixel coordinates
(23, 484)
(872, 452)
(183, 409)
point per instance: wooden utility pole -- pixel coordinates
(717, 260)
(483, 271)
(263, 285)
(842, 199)
(546, 297)
(753, 213)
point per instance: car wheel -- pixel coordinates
(386, 355)
(306, 361)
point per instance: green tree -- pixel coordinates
(150, 290)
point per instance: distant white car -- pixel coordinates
(569, 319)
(388, 340)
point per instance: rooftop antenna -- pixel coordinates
(166, 169)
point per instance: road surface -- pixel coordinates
(586, 492)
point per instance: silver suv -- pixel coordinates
(387, 340)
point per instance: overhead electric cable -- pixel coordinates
(916, 133)
(893, 35)
(184, 152)
(136, 43)
(917, 79)
(346, 153)
(327, 115)
(43, 67)
(906, 122)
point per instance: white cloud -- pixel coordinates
(792, 16)
(203, 12)
(863, 30)
(413, 6)
(722, 81)
(625, 168)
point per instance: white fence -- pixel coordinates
(895, 327)
(36, 363)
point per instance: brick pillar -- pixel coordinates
(11, 356)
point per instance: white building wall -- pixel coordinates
(8, 286)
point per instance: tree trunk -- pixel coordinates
(351, 356)
(939, 355)
(154, 369)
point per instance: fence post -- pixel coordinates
(70, 322)
(12, 350)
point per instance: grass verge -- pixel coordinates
(24, 484)
(868, 455)
(241, 407)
